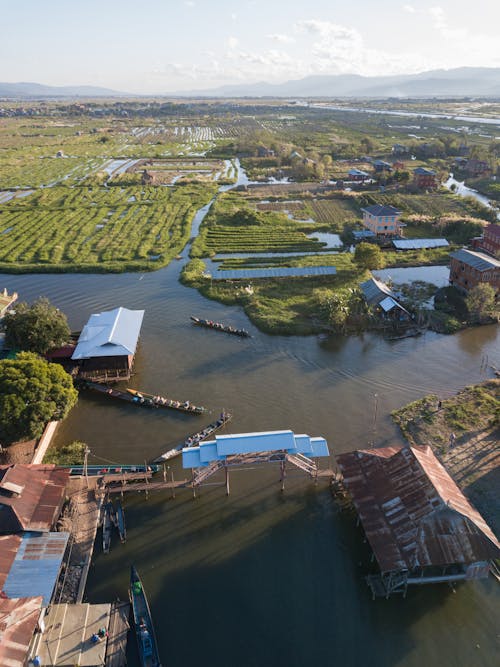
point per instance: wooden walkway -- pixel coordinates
(117, 641)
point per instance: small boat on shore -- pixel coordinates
(146, 400)
(143, 622)
(196, 438)
(218, 326)
(120, 522)
(107, 525)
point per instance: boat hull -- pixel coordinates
(143, 623)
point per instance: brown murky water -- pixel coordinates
(264, 578)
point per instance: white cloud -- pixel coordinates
(283, 39)
(439, 18)
(190, 3)
(409, 8)
(232, 42)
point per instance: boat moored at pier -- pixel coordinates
(143, 622)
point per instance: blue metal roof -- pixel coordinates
(274, 272)
(253, 443)
(113, 333)
(35, 569)
(381, 210)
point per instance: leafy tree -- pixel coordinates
(480, 301)
(36, 328)
(72, 454)
(368, 256)
(32, 392)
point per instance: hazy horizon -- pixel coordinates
(157, 47)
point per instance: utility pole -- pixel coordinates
(85, 465)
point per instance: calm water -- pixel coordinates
(265, 578)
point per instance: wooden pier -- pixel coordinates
(117, 641)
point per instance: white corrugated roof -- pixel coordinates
(275, 272)
(112, 333)
(415, 244)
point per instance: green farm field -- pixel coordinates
(97, 229)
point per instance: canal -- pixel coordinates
(263, 577)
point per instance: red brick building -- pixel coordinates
(469, 268)
(424, 179)
(490, 241)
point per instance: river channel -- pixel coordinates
(264, 578)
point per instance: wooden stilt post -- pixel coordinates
(147, 482)
(173, 487)
(164, 474)
(194, 487)
(283, 474)
(227, 480)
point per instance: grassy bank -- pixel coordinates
(471, 456)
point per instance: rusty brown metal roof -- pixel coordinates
(38, 504)
(413, 513)
(9, 544)
(18, 619)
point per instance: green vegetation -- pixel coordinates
(98, 229)
(368, 256)
(32, 392)
(71, 454)
(481, 303)
(473, 409)
(36, 328)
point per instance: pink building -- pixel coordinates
(382, 220)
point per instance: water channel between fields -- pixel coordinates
(264, 578)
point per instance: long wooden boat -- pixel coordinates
(107, 525)
(143, 622)
(218, 326)
(94, 470)
(196, 438)
(146, 400)
(120, 519)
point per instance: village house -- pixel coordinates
(107, 344)
(383, 301)
(398, 165)
(382, 220)
(419, 525)
(469, 268)
(380, 166)
(262, 151)
(357, 175)
(6, 300)
(424, 179)
(475, 168)
(489, 242)
(400, 149)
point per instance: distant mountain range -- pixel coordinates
(459, 82)
(38, 90)
(463, 81)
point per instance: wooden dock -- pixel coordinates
(117, 641)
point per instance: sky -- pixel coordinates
(164, 46)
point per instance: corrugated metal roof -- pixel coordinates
(388, 304)
(112, 333)
(415, 244)
(375, 291)
(36, 566)
(9, 544)
(380, 210)
(477, 260)
(253, 443)
(423, 171)
(38, 505)
(412, 512)
(18, 620)
(275, 272)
